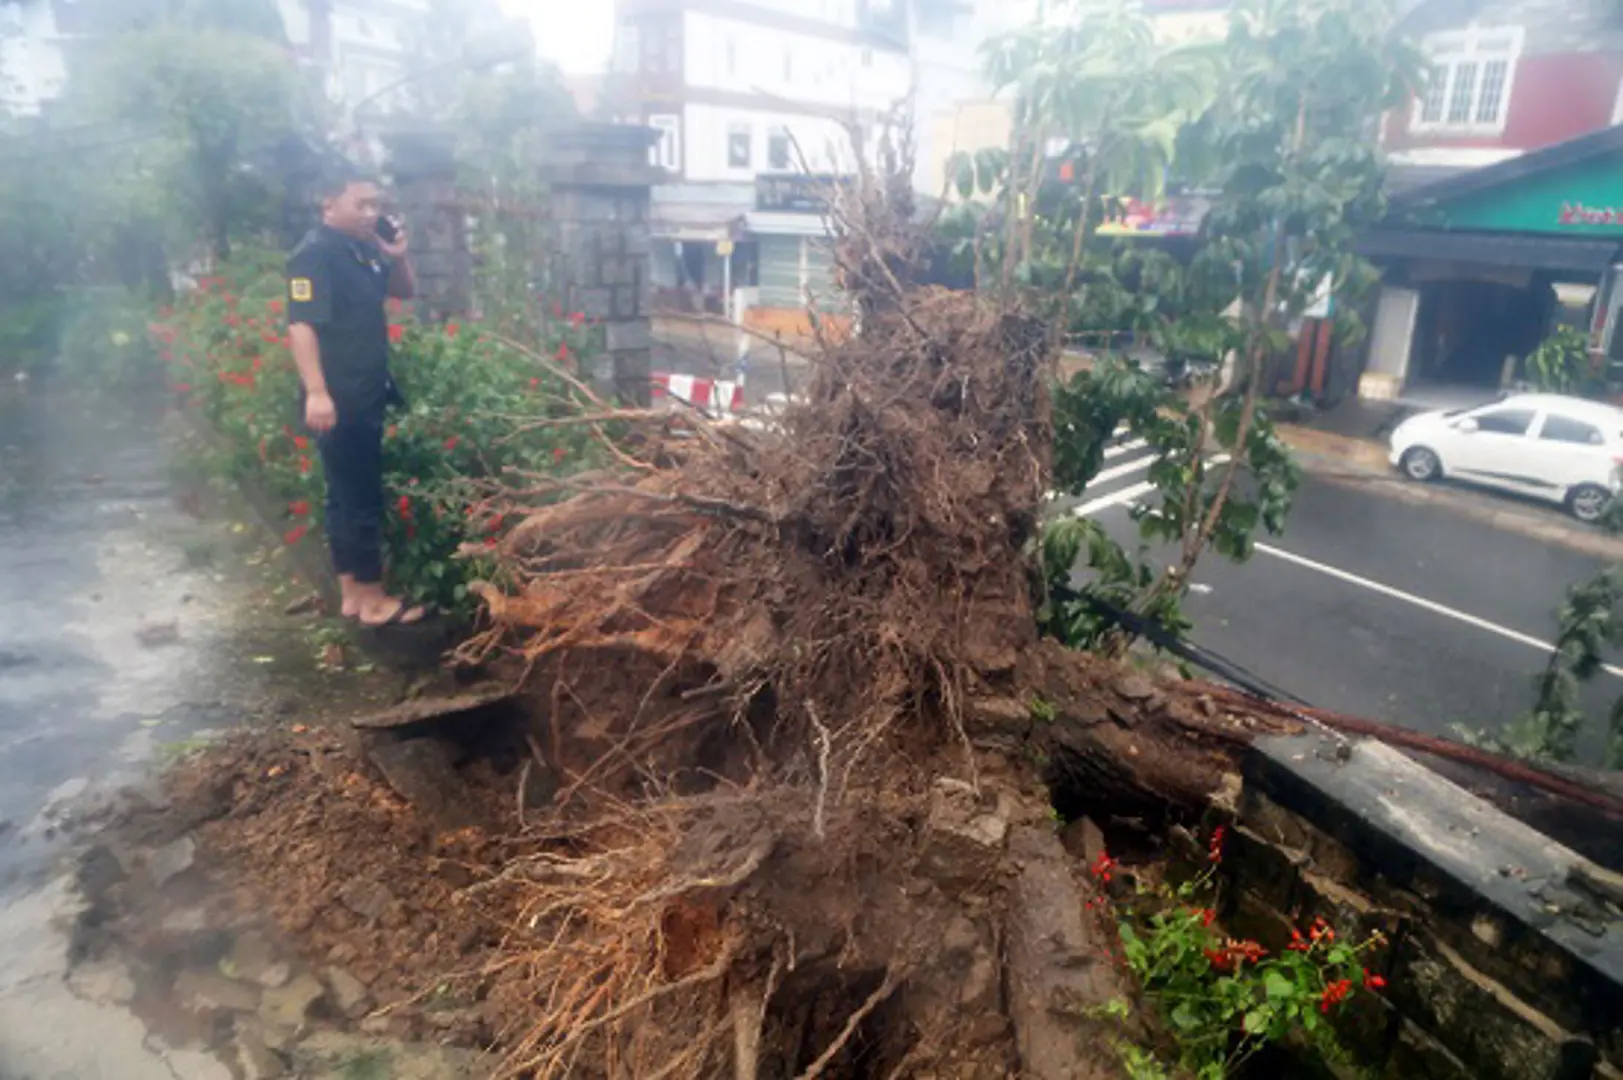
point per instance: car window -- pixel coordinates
(1565, 429)
(1505, 421)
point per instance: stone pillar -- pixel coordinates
(600, 181)
(422, 169)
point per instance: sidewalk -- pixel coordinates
(1348, 459)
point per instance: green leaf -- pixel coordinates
(1277, 987)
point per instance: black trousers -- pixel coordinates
(352, 455)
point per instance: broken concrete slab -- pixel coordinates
(170, 861)
(421, 772)
(291, 1007)
(349, 995)
(422, 710)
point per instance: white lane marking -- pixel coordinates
(1125, 495)
(1420, 602)
(1124, 448)
(1136, 465)
(1128, 494)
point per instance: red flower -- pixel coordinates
(1373, 982)
(557, 310)
(300, 508)
(559, 453)
(1298, 944)
(1322, 931)
(397, 333)
(535, 383)
(304, 465)
(450, 444)
(404, 506)
(258, 363)
(496, 523)
(577, 319)
(295, 534)
(452, 329)
(182, 388)
(1220, 959)
(270, 337)
(1103, 866)
(1334, 994)
(396, 306)
(233, 320)
(1207, 915)
(274, 307)
(563, 351)
(301, 442)
(490, 541)
(1214, 851)
(391, 431)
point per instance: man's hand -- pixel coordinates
(396, 250)
(320, 414)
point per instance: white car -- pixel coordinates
(1566, 450)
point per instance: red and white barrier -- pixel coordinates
(720, 396)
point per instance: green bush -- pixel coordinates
(104, 337)
(475, 417)
(29, 329)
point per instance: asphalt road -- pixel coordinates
(1369, 605)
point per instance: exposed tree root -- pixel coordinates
(790, 684)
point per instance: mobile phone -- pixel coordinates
(387, 230)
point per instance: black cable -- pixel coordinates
(1157, 634)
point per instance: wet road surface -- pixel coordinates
(1397, 611)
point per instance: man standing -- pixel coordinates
(338, 281)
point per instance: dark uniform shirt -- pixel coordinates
(339, 285)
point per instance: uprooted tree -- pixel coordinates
(791, 683)
(793, 686)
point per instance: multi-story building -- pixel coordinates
(752, 94)
(1505, 178)
(362, 48)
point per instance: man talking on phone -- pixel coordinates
(339, 279)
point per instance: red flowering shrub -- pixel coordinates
(471, 407)
(1221, 999)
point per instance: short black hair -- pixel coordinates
(335, 182)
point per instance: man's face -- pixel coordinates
(354, 211)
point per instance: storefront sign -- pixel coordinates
(1576, 200)
(1579, 214)
(1178, 215)
(801, 193)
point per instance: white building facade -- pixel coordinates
(362, 47)
(749, 93)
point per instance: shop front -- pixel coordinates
(1480, 268)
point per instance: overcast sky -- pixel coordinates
(575, 34)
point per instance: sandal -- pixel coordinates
(398, 618)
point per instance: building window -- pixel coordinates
(738, 146)
(667, 152)
(777, 149)
(629, 49)
(1471, 75)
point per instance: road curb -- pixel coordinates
(1344, 460)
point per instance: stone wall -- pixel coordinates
(1502, 965)
(423, 181)
(600, 184)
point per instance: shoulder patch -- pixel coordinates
(301, 290)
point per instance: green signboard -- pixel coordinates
(1585, 199)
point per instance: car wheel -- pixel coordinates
(1421, 464)
(1588, 502)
